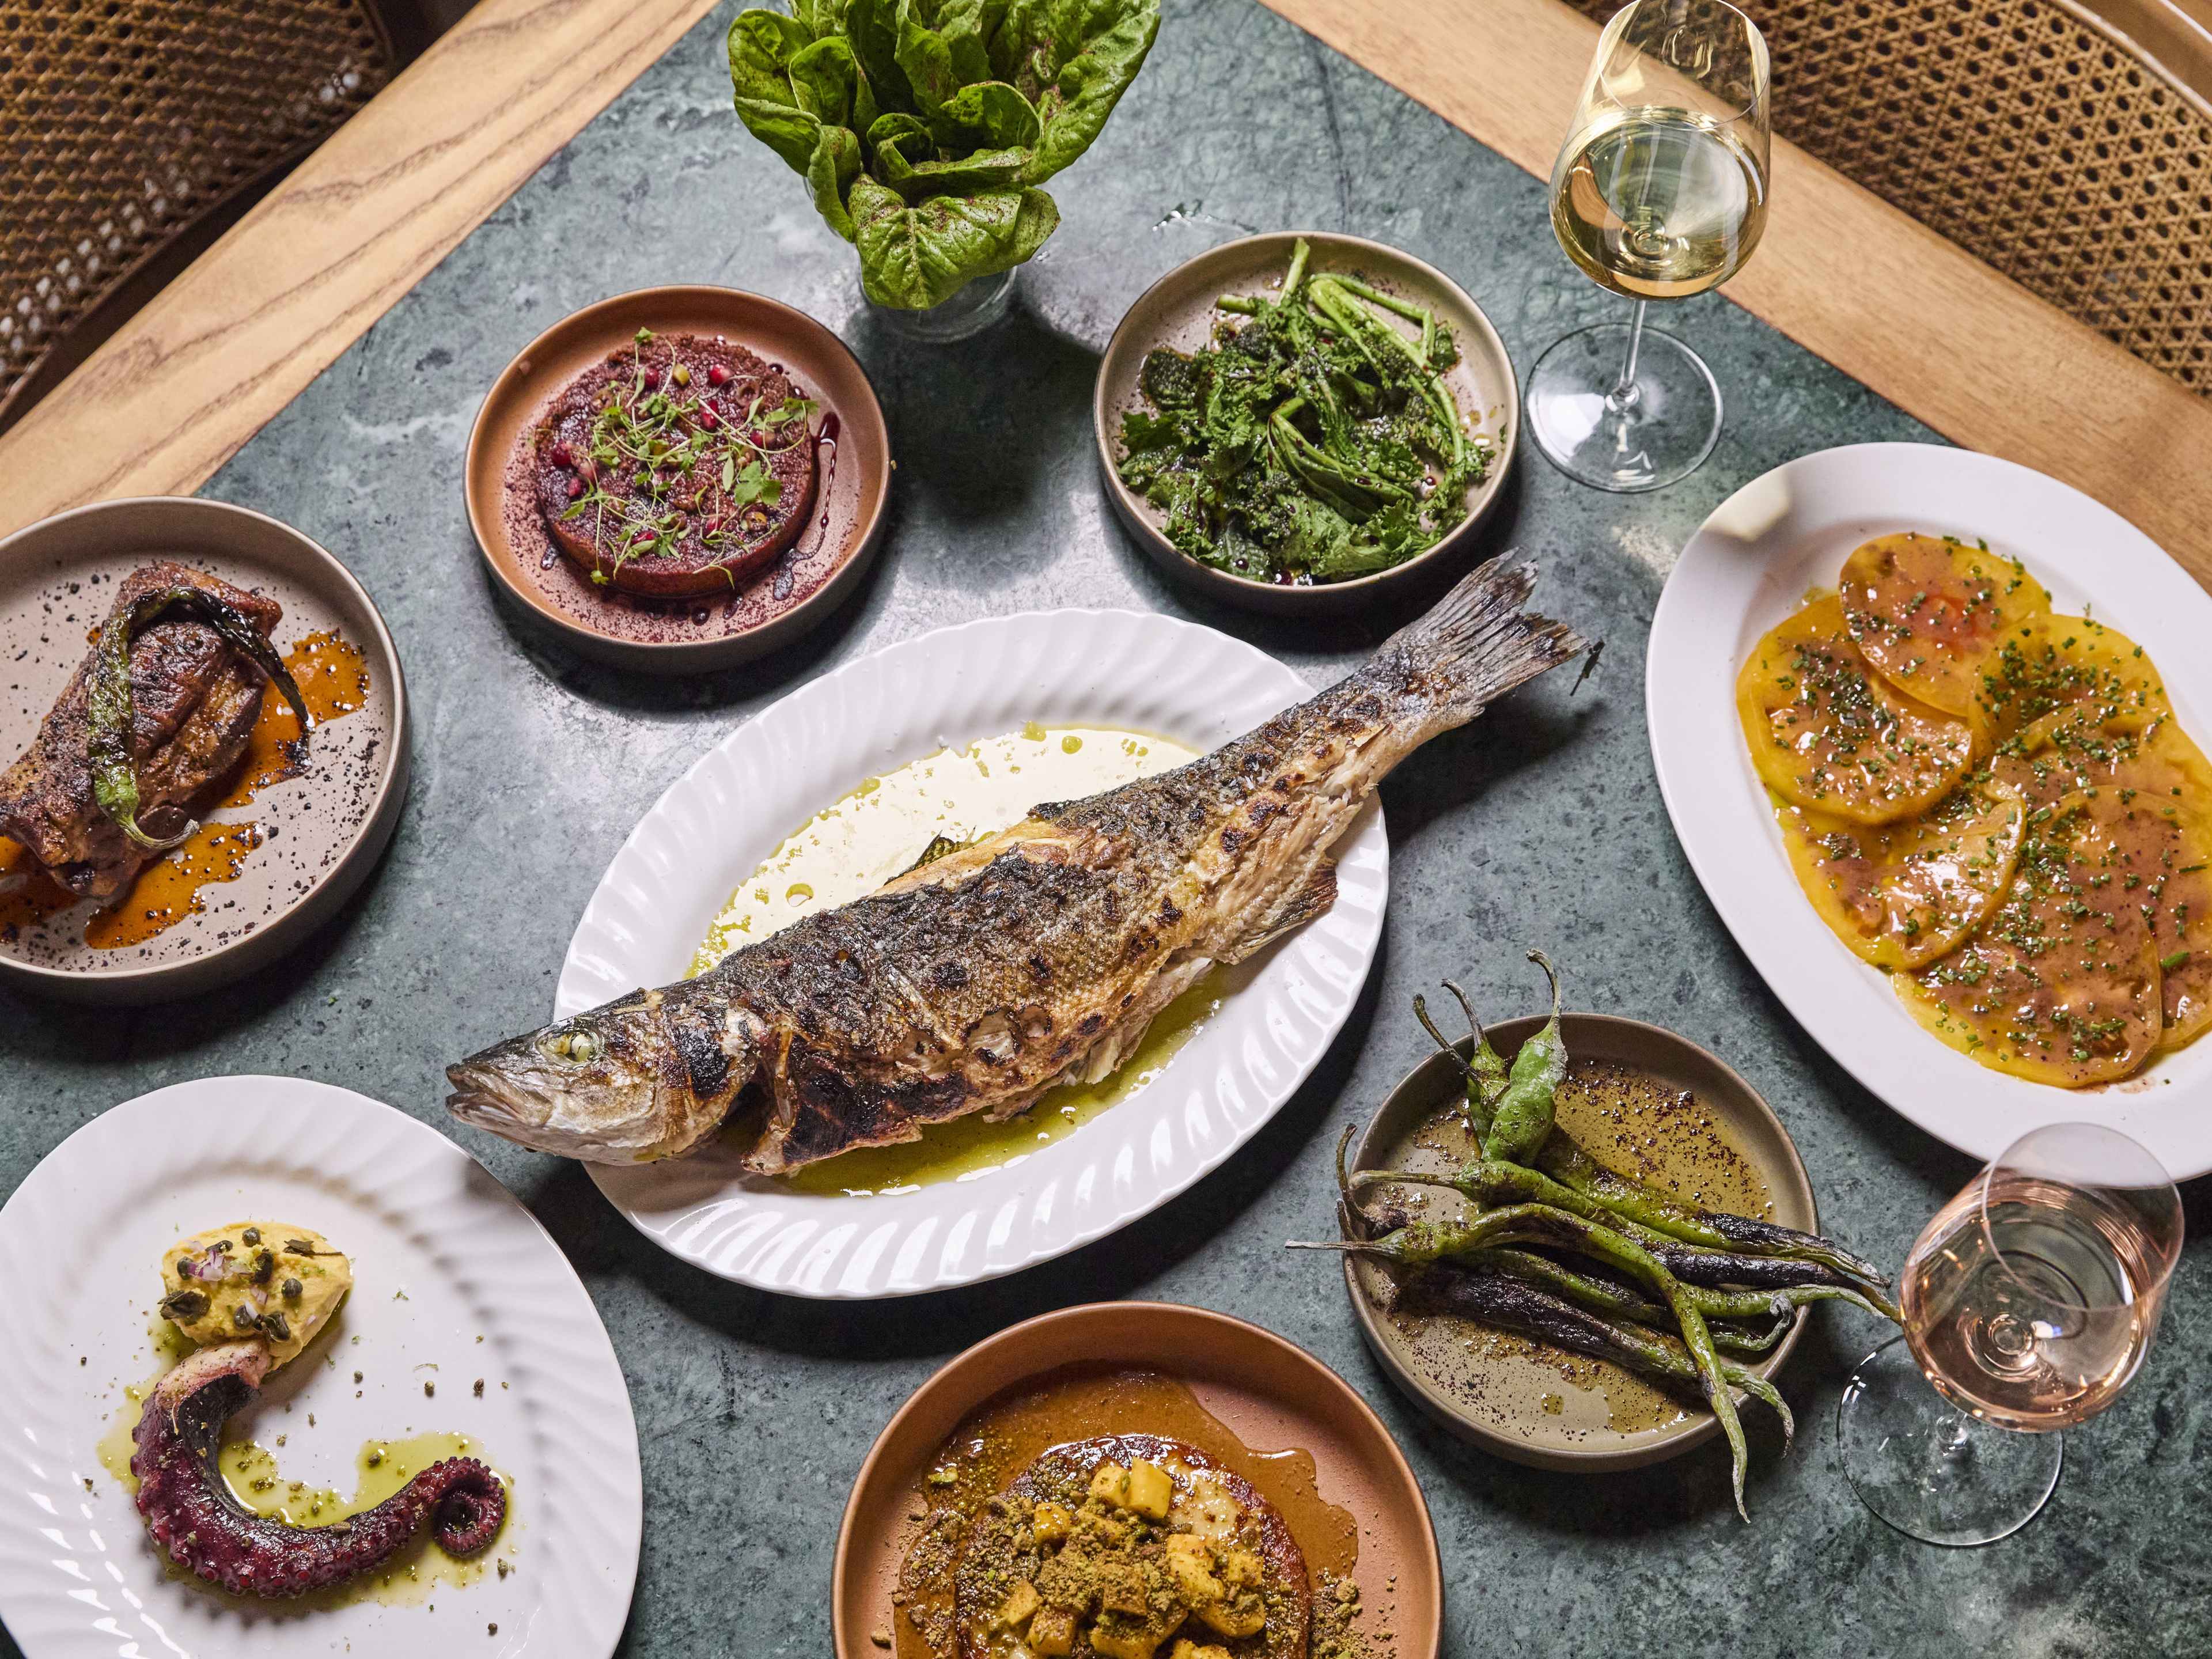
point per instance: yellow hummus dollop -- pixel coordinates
(270, 1279)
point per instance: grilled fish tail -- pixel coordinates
(1478, 643)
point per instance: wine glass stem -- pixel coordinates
(1624, 394)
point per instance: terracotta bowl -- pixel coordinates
(1178, 311)
(322, 833)
(1516, 1401)
(797, 591)
(1269, 1393)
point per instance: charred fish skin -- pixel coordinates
(975, 980)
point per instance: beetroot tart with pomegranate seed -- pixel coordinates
(677, 466)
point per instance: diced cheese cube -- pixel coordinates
(1109, 1484)
(1246, 1615)
(1020, 1603)
(1124, 1642)
(1150, 1491)
(1240, 1570)
(1050, 1522)
(1190, 1569)
(1052, 1632)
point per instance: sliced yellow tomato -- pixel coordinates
(2063, 985)
(1927, 611)
(1826, 733)
(2058, 664)
(1901, 894)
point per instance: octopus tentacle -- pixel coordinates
(192, 1513)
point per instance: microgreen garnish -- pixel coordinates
(671, 460)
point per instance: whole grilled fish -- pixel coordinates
(1035, 956)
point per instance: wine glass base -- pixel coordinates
(1660, 433)
(1928, 1469)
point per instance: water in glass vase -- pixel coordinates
(2038, 1321)
(1658, 203)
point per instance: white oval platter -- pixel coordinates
(450, 1272)
(1748, 567)
(723, 817)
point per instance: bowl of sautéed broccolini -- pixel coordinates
(1304, 422)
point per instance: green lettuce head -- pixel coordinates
(924, 127)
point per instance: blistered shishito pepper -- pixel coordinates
(108, 696)
(1420, 1243)
(1524, 1114)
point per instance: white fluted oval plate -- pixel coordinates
(442, 1257)
(716, 824)
(1746, 570)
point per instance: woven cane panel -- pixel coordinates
(122, 122)
(2027, 134)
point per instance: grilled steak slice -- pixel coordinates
(194, 700)
(679, 466)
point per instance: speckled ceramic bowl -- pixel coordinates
(1270, 1393)
(320, 833)
(798, 590)
(1511, 1396)
(1178, 311)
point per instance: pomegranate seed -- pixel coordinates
(652, 379)
(708, 419)
(575, 488)
(561, 457)
(717, 375)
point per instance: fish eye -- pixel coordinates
(576, 1047)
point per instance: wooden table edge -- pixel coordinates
(163, 404)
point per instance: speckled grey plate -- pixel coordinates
(1178, 311)
(1508, 1395)
(323, 829)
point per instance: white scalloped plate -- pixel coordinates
(1748, 567)
(449, 1270)
(717, 823)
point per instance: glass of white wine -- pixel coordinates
(1659, 192)
(2029, 1304)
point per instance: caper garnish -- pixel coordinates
(290, 1290)
(184, 1305)
(265, 1267)
(300, 1247)
(276, 1325)
(245, 1318)
(252, 1235)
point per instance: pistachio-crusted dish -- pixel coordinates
(1126, 1547)
(679, 465)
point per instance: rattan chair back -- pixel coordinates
(124, 123)
(2027, 131)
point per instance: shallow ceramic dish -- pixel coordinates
(1270, 1393)
(323, 828)
(795, 592)
(1749, 566)
(449, 1272)
(1178, 311)
(1511, 1396)
(717, 823)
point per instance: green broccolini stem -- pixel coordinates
(1300, 251)
(1239, 304)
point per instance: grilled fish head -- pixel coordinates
(648, 1076)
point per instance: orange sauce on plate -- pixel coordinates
(333, 682)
